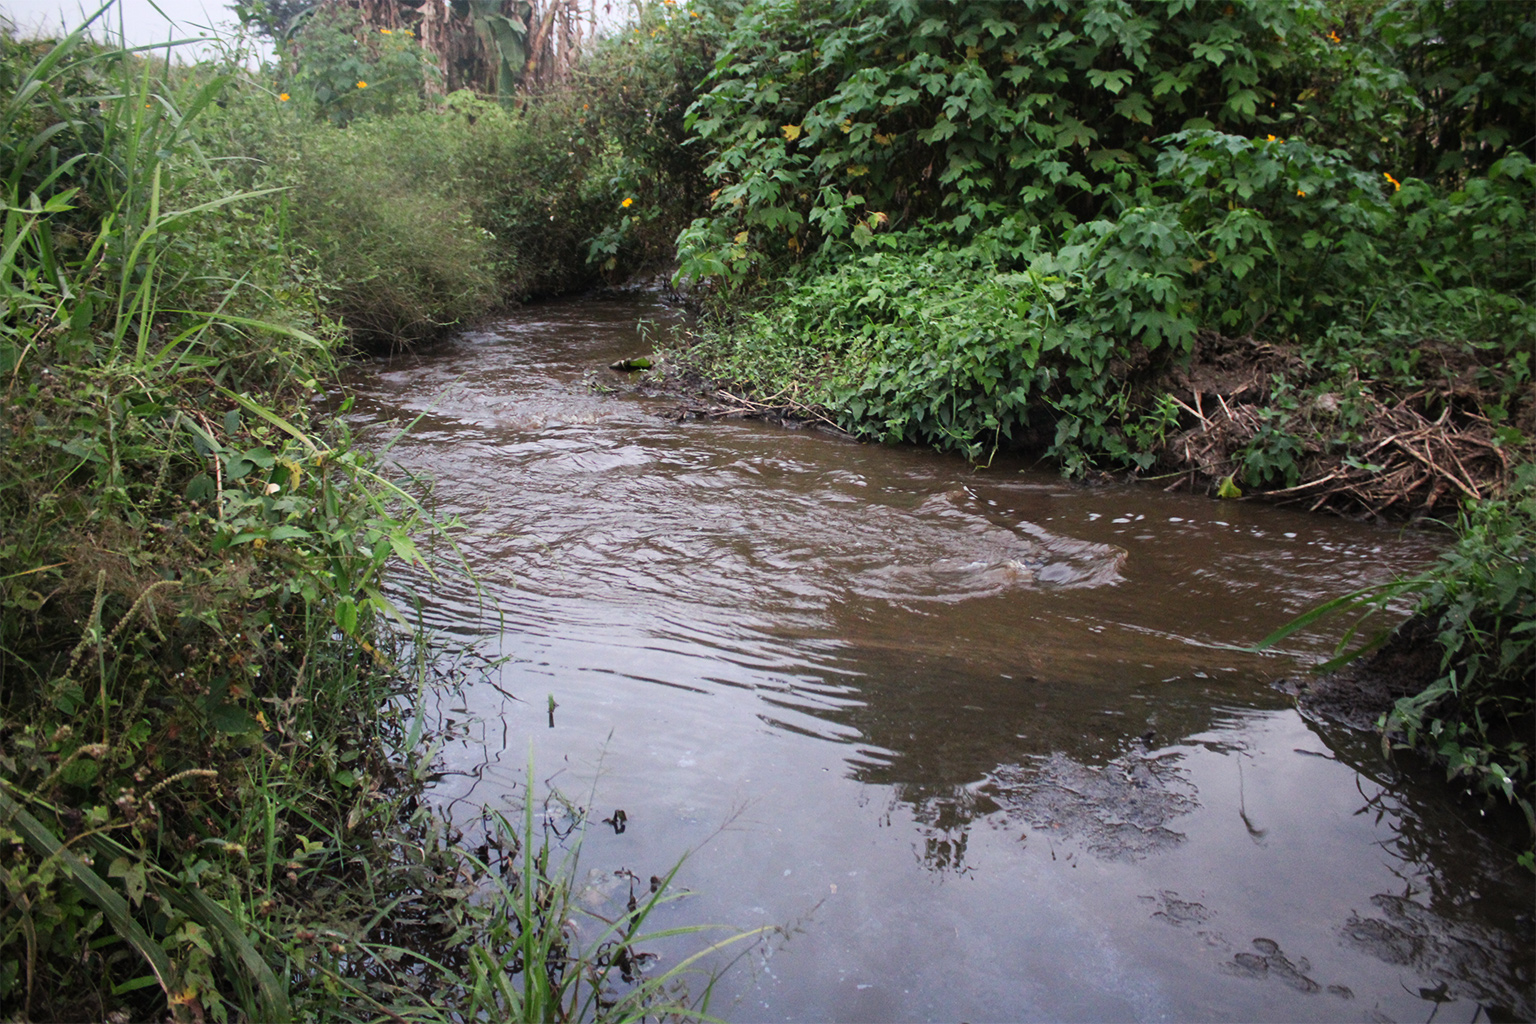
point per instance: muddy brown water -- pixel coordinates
(979, 739)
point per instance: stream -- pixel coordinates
(981, 742)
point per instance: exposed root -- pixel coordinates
(726, 405)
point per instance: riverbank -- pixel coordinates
(1404, 456)
(213, 727)
(210, 765)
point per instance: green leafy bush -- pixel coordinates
(335, 66)
(913, 340)
(918, 339)
(635, 89)
(825, 118)
(1170, 171)
(542, 182)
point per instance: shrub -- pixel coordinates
(1163, 173)
(341, 70)
(386, 210)
(419, 222)
(635, 89)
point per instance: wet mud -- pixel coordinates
(1360, 693)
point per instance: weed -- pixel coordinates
(211, 799)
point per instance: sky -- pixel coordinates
(144, 25)
(141, 23)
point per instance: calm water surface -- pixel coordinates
(978, 738)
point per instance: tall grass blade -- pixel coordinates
(1376, 595)
(42, 841)
(198, 906)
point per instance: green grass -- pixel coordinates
(212, 774)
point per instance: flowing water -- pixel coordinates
(981, 740)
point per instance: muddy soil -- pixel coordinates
(1360, 693)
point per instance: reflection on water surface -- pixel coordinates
(984, 734)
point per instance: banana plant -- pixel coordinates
(503, 31)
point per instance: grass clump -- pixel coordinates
(414, 223)
(544, 956)
(211, 801)
(381, 210)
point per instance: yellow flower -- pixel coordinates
(282, 97)
(1269, 138)
(1301, 193)
(1396, 185)
(409, 32)
(628, 202)
(386, 31)
(1334, 36)
(362, 84)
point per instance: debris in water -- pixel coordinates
(1120, 811)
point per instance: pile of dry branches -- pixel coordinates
(1399, 458)
(724, 405)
